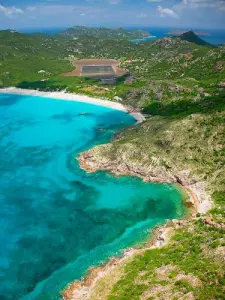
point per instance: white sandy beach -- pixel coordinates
(74, 97)
(65, 96)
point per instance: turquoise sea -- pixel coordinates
(56, 220)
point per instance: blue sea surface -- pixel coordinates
(57, 220)
(215, 37)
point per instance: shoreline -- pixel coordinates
(81, 289)
(90, 284)
(62, 95)
(85, 288)
(197, 193)
(196, 199)
(93, 281)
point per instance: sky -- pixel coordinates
(190, 14)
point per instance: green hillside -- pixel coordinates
(106, 33)
(182, 141)
(26, 57)
(190, 36)
(179, 84)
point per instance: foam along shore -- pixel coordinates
(70, 97)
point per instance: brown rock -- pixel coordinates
(219, 66)
(159, 95)
(208, 220)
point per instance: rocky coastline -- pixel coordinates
(196, 190)
(88, 287)
(198, 200)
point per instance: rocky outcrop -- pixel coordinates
(104, 158)
(219, 66)
(94, 160)
(90, 287)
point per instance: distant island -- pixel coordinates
(106, 33)
(179, 32)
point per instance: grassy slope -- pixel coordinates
(158, 66)
(106, 33)
(190, 36)
(181, 86)
(185, 136)
(190, 267)
(23, 56)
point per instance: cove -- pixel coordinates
(57, 220)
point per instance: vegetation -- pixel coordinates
(190, 36)
(25, 57)
(156, 67)
(191, 266)
(179, 83)
(106, 33)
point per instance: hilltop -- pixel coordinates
(106, 33)
(190, 36)
(181, 31)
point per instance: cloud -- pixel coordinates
(154, 1)
(62, 10)
(102, 1)
(222, 8)
(219, 5)
(114, 2)
(181, 13)
(167, 12)
(142, 15)
(10, 11)
(31, 8)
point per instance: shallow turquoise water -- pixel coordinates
(56, 220)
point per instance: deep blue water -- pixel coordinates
(57, 220)
(217, 36)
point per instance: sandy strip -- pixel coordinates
(200, 197)
(138, 116)
(66, 96)
(75, 97)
